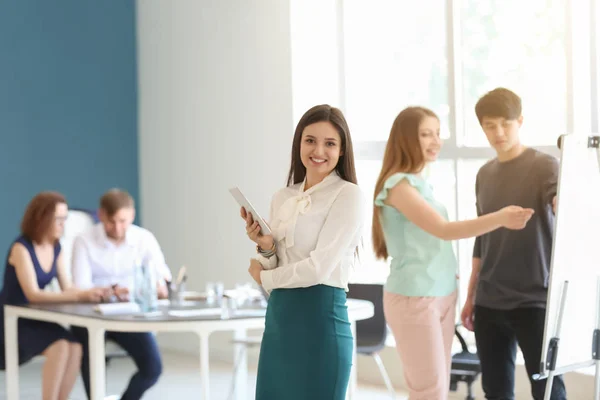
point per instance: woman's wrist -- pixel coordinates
(267, 253)
(497, 218)
(271, 247)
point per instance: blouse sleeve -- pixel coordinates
(393, 181)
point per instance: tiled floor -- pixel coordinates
(179, 381)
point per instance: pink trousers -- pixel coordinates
(423, 328)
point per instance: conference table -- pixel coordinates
(194, 316)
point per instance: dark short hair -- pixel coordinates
(114, 200)
(323, 113)
(500, 102)
(39, 215)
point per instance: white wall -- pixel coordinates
(215, 111)
(315, 38)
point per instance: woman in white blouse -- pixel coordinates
(316, 222)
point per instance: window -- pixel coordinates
(395, 56)
(373, 59)
(442, 177)
(529, 58)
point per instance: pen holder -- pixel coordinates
(176, 293)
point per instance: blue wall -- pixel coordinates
(68, 103)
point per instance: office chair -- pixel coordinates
(465, 367)
(79, 220)
(372, 333)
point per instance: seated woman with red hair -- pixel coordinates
(34, 259)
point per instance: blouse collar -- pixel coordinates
(284, 225)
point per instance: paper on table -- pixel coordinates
(198, 312)
(117, 308)
(149, 314)
(183, 303)
(249, 313)
(244, 292)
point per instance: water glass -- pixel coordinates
(177, 293)
(214, 292)
(242, 291)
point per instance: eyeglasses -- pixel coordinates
(59, 220)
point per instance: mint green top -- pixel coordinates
(422, 264)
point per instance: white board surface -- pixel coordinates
(575, 253)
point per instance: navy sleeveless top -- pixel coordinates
(12, 293)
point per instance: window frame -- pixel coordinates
(452, 149)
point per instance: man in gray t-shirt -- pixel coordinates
(508, 287)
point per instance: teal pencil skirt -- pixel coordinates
(306, 352)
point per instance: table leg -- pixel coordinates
(97, 363)
(240, 359)
(204, 362)
(11, 346)
(351, 393)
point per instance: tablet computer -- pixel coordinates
(244, 202)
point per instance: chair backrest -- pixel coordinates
(78, 221)
(374, 328)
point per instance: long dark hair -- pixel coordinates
(323, 113)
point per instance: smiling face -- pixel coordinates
(429, 138)
(320, 150)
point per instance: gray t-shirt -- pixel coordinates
(515, 263)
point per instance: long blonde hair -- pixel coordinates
(403, 153)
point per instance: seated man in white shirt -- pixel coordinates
(105, 256)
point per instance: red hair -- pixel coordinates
(39, 215)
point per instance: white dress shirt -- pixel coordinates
(316, 232)
(99, 262)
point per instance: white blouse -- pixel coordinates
(317, 232)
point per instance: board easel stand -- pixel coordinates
(552, 351)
